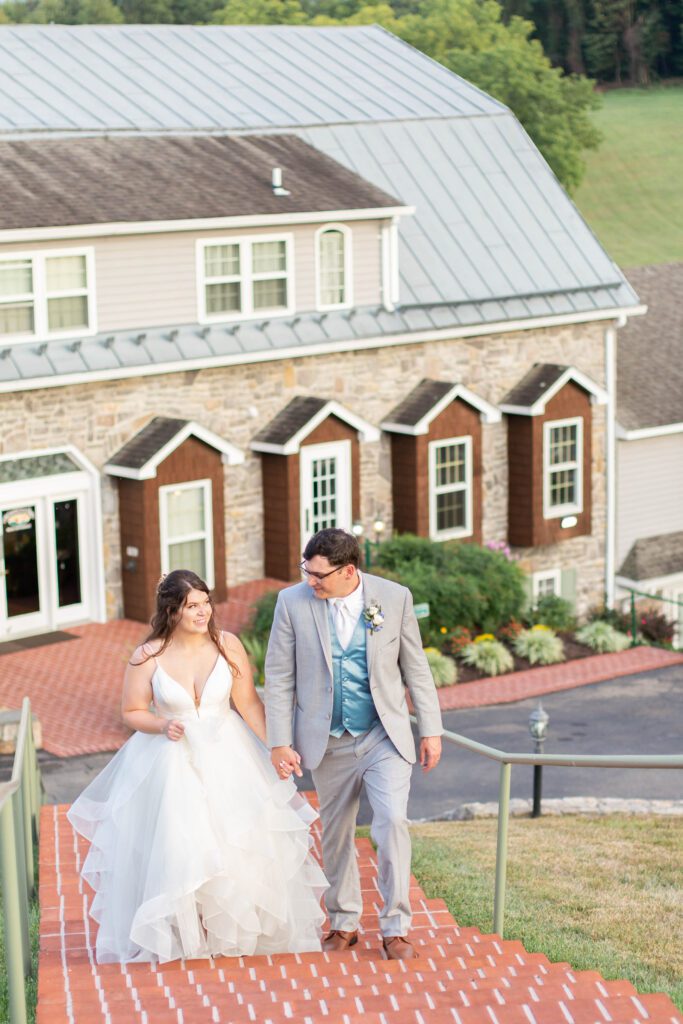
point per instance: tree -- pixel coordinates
(62, 12)
(260, 12)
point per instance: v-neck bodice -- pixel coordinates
(172, 700)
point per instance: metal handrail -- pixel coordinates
(507, 759)
(20, 801)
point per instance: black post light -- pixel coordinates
(538, 727)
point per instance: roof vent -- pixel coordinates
(276, 181)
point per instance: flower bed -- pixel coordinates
(572, 651)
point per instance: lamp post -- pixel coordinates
(378, 526)
(538, 727)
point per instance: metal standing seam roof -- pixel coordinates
(494, 237)
(179, 78)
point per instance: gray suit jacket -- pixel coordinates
(299, 691)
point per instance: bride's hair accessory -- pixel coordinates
(161, 580)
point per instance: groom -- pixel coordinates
(344, 648)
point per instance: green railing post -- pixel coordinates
(13, 897)
(501, 846)
(634, 620)
(22, 881)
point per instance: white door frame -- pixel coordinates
(84, 486)
(31, 622)
(341, 451)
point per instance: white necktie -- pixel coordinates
(342, 623)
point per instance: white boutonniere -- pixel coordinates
(374, 617)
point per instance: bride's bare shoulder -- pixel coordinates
(145, 654)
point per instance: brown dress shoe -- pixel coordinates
(337, 940)
(397, 947)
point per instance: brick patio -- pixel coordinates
(461, 977)
(86, 674)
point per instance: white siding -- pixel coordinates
(649, 489)
(150, 280)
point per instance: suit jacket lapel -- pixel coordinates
(322, 624)
(370, 597)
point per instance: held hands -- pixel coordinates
(286, 761)
(430, 752)
(173, 730)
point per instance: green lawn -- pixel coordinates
(632, 194)
(599, 893)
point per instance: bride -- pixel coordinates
(197, 847)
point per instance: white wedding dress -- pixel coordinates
(197, 847)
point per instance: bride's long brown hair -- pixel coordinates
(171, 595)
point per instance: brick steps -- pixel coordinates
(462, 976)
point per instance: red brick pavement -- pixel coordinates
(461, 977)
(75, 686)
(548, 678)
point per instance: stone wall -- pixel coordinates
(236, 401)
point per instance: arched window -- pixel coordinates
(333, 267)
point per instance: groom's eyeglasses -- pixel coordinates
(318, 575)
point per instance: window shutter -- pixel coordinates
(568, 586)
(528, 594)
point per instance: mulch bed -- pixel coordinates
(572, 650)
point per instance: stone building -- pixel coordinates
(325, 281)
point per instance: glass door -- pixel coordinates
(325, 471)
(67, 555)
(23, 599)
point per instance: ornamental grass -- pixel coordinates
(444, 670)
(488, 655)
(539, 645)
(602, 637)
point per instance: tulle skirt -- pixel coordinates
(198, 849)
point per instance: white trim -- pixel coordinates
(86, 484)
(304, 351)
(150, 227)
(366, 430)
(206, 534)
(598, 395)
(642, 433)
(39, 295)
(234, 456)
(652, 582)
(611, 463)
(341, 451)
(468, 529)
(489, 413)
(246, 278)
(347, 235)
(575, 508)
(394, 276)
(545, 574)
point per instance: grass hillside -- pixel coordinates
(632, 194)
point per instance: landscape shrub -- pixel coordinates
(539, 645)
(509, 631)
(464, 584)
(656, 627)
(455, 639)
(602, 637)
(444, 670)
(256, 648)
(554, 611)
(262, 619)
(620, 620)
(488, 655)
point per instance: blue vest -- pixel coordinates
(353, 709)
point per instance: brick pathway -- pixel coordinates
(462, 976)
(549, 678)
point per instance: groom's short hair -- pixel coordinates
(337, 546)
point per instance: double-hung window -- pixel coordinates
(186, 528)
(333, 263)
(450, 488)
(562, 467)
(546, 583)
(245, 277)
(46, 294)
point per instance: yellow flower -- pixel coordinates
(540, 628)
(431, 650)
(483, 637)
(443, 629)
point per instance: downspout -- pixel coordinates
(611, 457)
